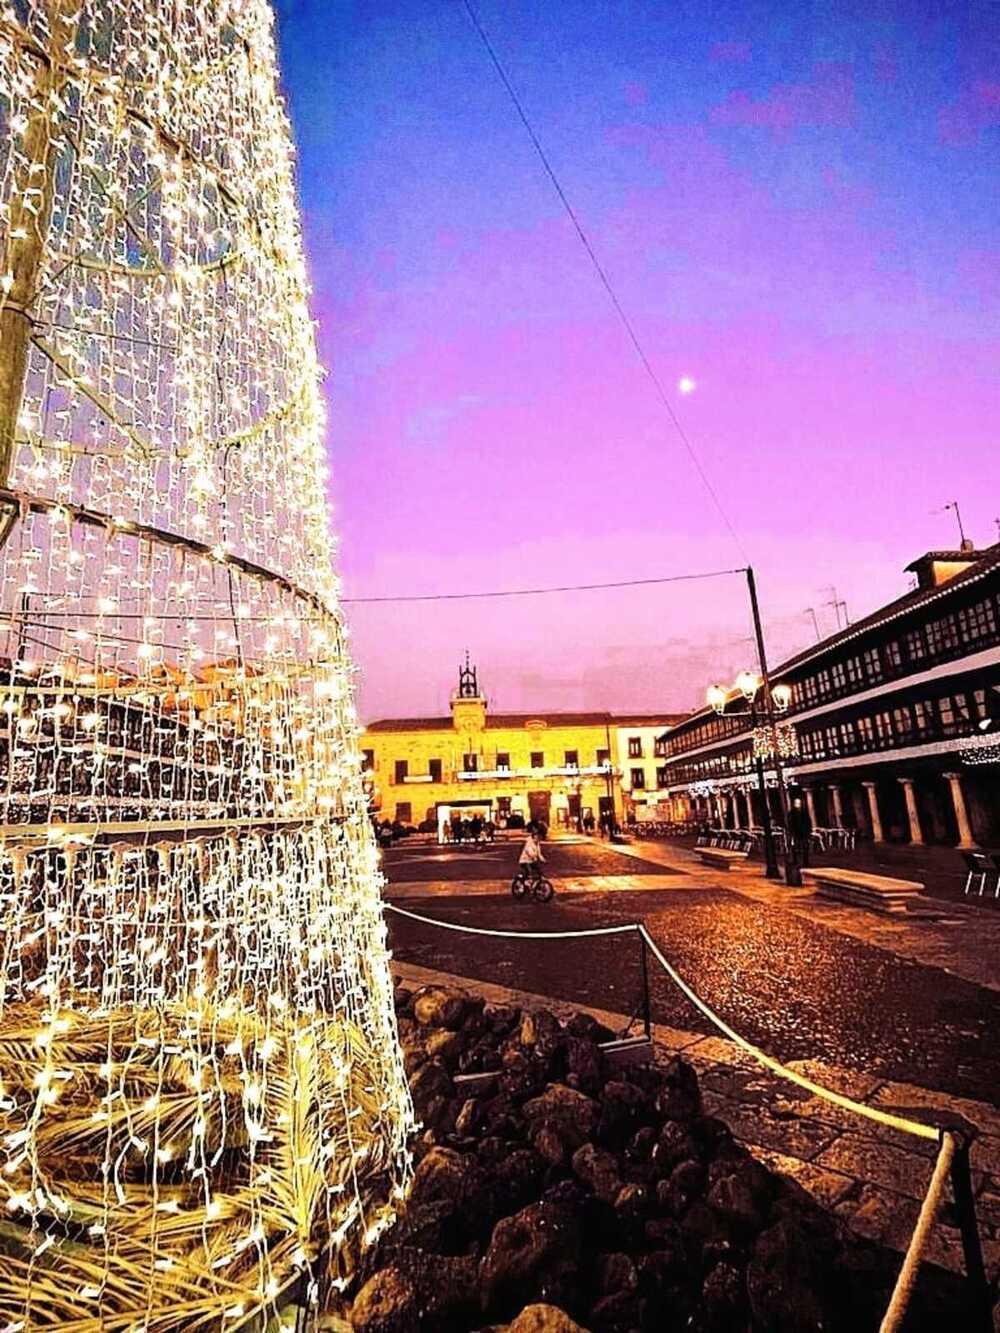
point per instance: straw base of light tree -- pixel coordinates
(141, 1194)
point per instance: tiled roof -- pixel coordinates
(410, 724)
(988, 561)
(648, 720)
(500, 721)
(495, 721)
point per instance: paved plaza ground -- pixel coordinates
(893, 1012)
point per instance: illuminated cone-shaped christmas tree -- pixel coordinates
(203, 1101)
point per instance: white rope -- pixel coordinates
(918, 1241)
(932, 1199)
(869, 1112)
(514, 934)
(887, 1118)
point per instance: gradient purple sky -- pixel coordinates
(799, 207)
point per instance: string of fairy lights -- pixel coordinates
(202, 1098)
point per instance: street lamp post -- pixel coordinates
(751, 687)
(793, 872)
(609, 777)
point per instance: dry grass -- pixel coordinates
(139, 1242)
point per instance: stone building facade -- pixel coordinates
(641, 758)
(549, 766)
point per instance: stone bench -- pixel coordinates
(723, 858)
(878, 893)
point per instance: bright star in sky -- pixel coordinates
(686, 384)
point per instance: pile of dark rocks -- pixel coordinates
(563, 1194)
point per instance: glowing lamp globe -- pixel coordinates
(748, 683)
(781, 697)
(716, 696)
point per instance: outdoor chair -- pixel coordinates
(980, 868)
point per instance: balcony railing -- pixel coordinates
(740, 762)
(561, 771)
(889, 672)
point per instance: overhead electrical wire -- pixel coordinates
(540, 592)
(605, 280)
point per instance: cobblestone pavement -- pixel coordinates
(959, 937)
(794, 988)
(871, 1175)
(568, 884)
(411, 862)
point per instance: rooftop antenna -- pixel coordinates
(811, 611)
(837, 602)
(964, 543)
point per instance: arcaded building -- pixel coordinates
(896, 719)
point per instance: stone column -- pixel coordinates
(858, 802)
(965, 838)
(838, 809)
(873, 813)
(737, 809)
(810, 804)
(916, 837)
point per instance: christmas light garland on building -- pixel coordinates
(981, 749)
(203, 1099)
(775, 738)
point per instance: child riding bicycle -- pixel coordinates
(531, 858)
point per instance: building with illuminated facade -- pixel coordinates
(640, 756)
(549, 766)
(895, 720)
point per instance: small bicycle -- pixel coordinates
(530, 882)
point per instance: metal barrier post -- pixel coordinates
(965, 1207)
(647, 1021)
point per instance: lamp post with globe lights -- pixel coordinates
(769, 738)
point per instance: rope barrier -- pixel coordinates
(873, 1113)
(632, 928)
(896, 1312)
(899, 1122)
(943, 1167)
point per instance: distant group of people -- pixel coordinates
(607, 824)
(474, 830)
